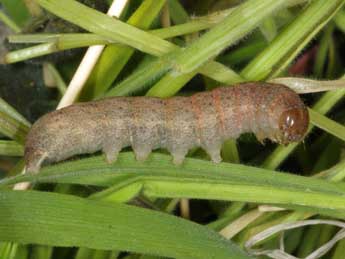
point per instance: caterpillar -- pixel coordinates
(205, 120)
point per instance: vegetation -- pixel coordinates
(86, 208)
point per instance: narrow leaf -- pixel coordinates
(32, 217)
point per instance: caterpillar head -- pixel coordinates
(288, 116)
(293, 124)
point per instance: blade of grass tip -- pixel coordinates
(112, 227)
(286, 46)
(30, 52)
(89, 60)
(231, 29)
(114, 58)
(52, 43)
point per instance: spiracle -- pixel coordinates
(177, 124)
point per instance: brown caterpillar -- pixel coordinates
(177, 124)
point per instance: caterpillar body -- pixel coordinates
(177, 124)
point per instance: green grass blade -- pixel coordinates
(114, 58)
(106, 26)
(8, 109)
(12, 128)
(53, 43)
(177, 12)
(63, 220)
(8, 250)
(12, 123)
(10, 148)
(9, 22)
(339, 20)
(326, 124)
(30, 52)
(195, 25)
(72, 39)
(199, 179)
(123, 33)
(322, 53)
(224, 34)
(288, 44)
(141, 78)
(17, 11)
(231, 29)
